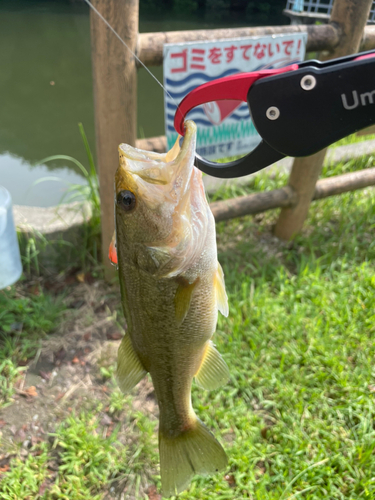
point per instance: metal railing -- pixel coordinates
(317, 9)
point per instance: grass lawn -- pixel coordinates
(296, 418)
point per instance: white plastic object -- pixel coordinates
(10, 259)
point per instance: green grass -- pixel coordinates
(297, 417)
(24, 320)
(86, 252)
(299, 340)
(264, 182)
(26, 476)
(350, 139)
(86, 460)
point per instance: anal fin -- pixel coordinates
(213, 371)
(130, 370)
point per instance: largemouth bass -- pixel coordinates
(172, 287)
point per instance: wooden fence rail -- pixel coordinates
(324, 37)
(114, 74)
(288, 197)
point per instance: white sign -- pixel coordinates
(224, 127)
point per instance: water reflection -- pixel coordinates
(45, 80)
(19, 177)
(46, 89)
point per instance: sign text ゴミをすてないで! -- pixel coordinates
(224, 127)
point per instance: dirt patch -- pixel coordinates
(72, 369)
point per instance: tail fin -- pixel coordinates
(195, 451)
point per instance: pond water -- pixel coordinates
(46, 90)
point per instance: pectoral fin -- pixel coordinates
(152, 259)
(159, 261)
(183, 297)
(213, 371)
(221, 294)
(129, 367)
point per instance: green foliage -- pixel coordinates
(9, 373)
(299, 341)
(30, 246)
(354, 138)
(255, 13)
(265, 12)
(117, 401)
(297, 417)
(106, 373)
(28, 314)
(88, 252)
(179, 7)
(89, 192)
(87, 460)
(33, 243)
(264, 182)
(24, 320)
(25, 478)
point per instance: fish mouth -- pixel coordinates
(172, 215)
(139, 169)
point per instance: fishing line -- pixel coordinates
(129, 49)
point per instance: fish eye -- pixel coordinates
(126, 200)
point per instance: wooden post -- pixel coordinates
(115, 98)
(349, 17)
